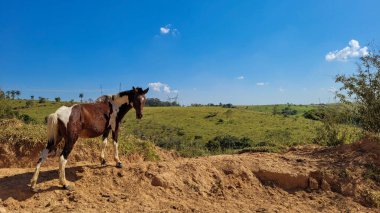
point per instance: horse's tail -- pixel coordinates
(52, 128)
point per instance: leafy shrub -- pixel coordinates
(213, 145)
(228, 105)
(314, 114)
(227, 142)
(361, 90)
(6, 110)
(243, 143)
(334, 129)
(41, 100)
(27, 119)
(57, 99)
(288, 111)
(29, 104)
(329, 133)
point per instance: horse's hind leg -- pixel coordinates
(51, 146)
(69, 144)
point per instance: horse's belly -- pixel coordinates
(89, 133)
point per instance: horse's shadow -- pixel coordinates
(17, 186)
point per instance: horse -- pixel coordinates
(88, 121)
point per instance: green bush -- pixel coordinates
(227, 142)
(288, 111)
(213, 145)
(29, 104)
(361, 90)
(57, 99)
(336, 128)
(41, 100)
(26, 119)
(314, 114)
(6, 110)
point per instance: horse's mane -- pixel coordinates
(106, 98)
(103, 98)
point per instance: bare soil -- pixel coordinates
(304, 179)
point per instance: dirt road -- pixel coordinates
(307, 179)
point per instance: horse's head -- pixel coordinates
(139, 100)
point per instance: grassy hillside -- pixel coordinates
(279, 107)
(188, 129)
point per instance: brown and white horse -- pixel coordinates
(88, 121)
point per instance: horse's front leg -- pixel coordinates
(116, 148)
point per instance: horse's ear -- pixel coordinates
(146, 91)
(135, 89)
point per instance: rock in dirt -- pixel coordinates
(120, 174)
(325, 186)
(159, 181)
(313, 184)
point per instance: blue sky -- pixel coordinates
(243, 52)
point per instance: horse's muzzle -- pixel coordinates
(139, 116)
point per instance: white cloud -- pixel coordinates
(281, 89)
(261, 83)
(158, 87)
(169, 30)
(240, 78)
(351, 51)
(333, 89)
(164, 30)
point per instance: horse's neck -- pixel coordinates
(117, 112)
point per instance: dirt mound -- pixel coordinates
(306, 179)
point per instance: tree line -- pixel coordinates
(10, 94)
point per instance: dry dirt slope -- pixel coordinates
(308, 179)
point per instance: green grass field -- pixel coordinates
(188, 129)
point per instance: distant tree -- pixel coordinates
(32, 97)
(13, 94)
(18, 93)
(195, 105)
(361, 90)
(81, 97)
(8, 96)
(41, 100)
(90, 100)
(72, 101)
(288, 111)
(158, 102)
(2, 94)
(229, 105)
(57, 99)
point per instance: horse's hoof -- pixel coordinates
(119, 165)
(68, 187)
(104, 162)
(33, 183)
(33, 189)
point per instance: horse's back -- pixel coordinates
(64, 114)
